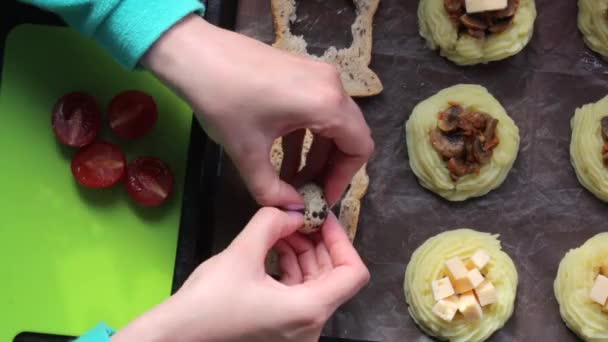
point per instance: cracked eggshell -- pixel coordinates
(316, 208)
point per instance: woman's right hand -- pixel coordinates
(247, 94)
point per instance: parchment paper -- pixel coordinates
(541, 211)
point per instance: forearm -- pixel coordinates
(157, 325)
(194, 58)
(172, 57)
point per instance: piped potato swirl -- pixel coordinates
(440, 32)
(430, 167)
(427, 265)
(586, 147)
(593, 23)
(575, 278)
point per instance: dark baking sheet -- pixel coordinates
(541, 211)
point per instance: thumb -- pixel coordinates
(263, 181)
(267, 226)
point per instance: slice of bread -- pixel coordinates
(352, 62)
(350, 205)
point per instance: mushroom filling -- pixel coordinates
(480, 25)
(465, 139)
(604, 123)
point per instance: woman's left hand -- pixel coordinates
(231, 298)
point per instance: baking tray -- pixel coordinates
(540, 212)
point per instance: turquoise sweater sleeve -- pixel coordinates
(126, 28)
(101, 333)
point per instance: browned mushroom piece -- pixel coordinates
(449, 146)
(458, 168)
(469, 155)
(482, 155)
(465, 139)
(604, 130)
(465, 125)
(473, 22)
(604, 123)
(479, 120)
(448, 120)
(478, 34)
(453, 6)
(500, 26)
(489, 134)
(512, 6)
(480, 25)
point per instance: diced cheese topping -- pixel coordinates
(599, 292)
(469, 307)
(464, 289)
(486, 293)
(456, 268)
(469, 282)
(604, 269)
(475, 277)
(480, 259)
(447, 308)
(476, 6)
(442, 288)
(462, 285)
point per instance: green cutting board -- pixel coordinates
(69, 256)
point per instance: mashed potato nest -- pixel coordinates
(427, 265)
(575, 278)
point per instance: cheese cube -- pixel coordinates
(604, 269)
(442, 288)
(480, 259)
(486, 293)
(446, 308)
(599, 292)
(469, 282)
(456, 268)
(476, 6)
(469, 307)
(475, 277)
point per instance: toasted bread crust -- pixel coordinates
(352, 62)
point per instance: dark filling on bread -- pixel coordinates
(480, 25)
(604, 124)
(465, 139)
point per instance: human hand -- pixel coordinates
(231, 298)
(247, 94)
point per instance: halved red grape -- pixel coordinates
(149, 181)
(76, 119)
(99, 165)
(132, 114)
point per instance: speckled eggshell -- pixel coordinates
(316, 208)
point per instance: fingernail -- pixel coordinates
(295, 207)
(295, 213)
